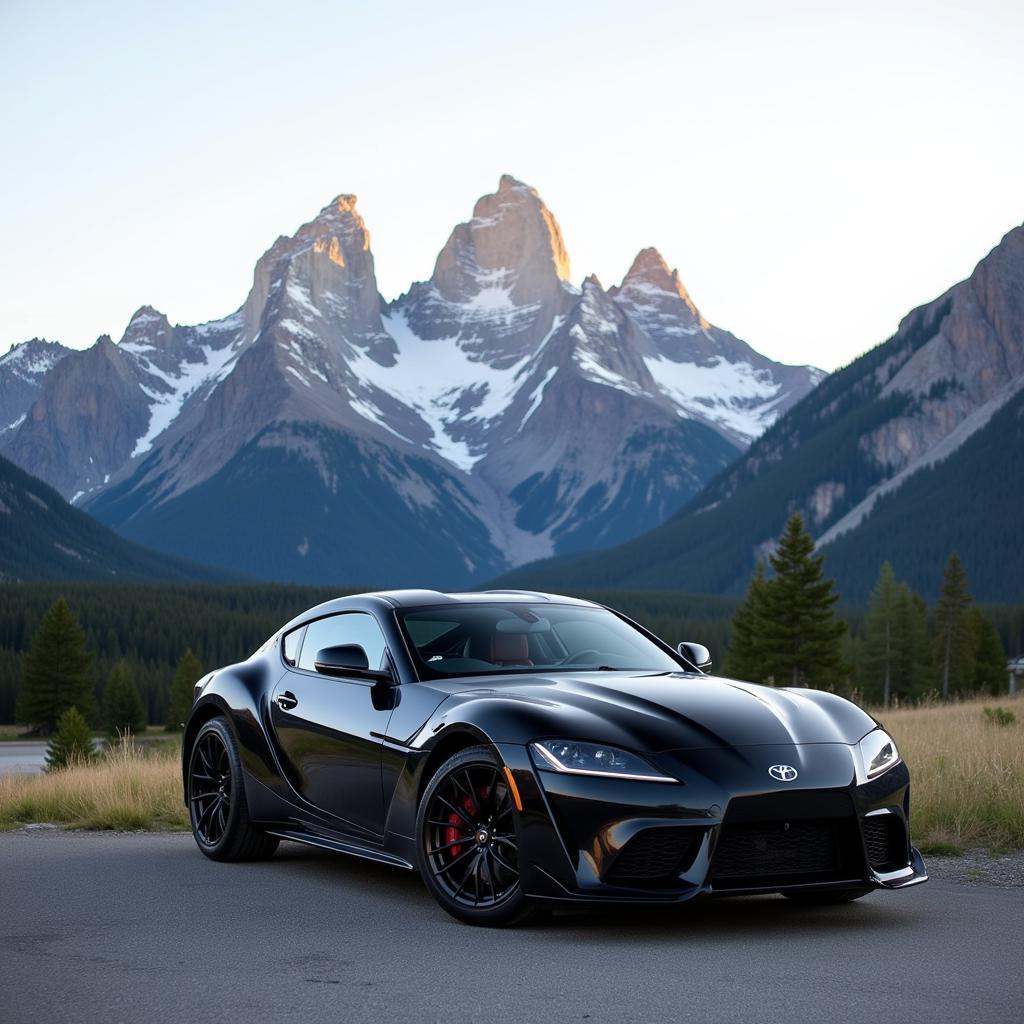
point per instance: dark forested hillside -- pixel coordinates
(711, 544)
(150, 626)
(43, 537)
(912, 451)
(970, 503)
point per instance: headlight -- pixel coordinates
(878, 753)
(573, 758)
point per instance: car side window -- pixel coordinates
(291, 644)
(348, 628)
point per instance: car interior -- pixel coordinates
(516, 638)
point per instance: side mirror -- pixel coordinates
(347, 660)
(696, 654)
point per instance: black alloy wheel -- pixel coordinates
(209, 795)
(469, 842)
(216, 799)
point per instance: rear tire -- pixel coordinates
(467, 830)
(826, 897)
(216, 799)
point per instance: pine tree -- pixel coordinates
(802, 638)
(990, 671)
(913, 651)
(953, 653)
(57, 672)
(123, 710)
(71, 743)
(852, 650)
(182, 689)
(746, 658)
(881, 653)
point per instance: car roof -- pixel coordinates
(382, 599)
(416, 598)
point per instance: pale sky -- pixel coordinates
(813, 169)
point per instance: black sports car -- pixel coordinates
(522, 748)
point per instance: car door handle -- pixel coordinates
(287, 700)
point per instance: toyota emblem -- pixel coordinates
(783, 772)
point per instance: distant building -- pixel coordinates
(1015, 666)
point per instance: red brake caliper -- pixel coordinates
(457, 827)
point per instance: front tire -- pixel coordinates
(468, 841)
(216, 799)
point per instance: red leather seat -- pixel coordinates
(510, 649)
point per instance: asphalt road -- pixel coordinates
(18, 757)
(143, 928)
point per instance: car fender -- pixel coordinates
(235, 693)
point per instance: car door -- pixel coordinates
(328, 727)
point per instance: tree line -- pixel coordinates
(786, 632)
(123, 647)
(58, 684)
(149, 627)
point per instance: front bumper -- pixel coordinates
(727, 828)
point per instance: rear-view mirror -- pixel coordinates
(696, 654)
(346, 660)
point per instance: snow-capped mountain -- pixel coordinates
(493, 414)
(22, 370)
(913, 451)
(708, 373)
(99, 409)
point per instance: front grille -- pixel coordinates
(796, 838)
(886, 841)
(655, 856)
(786, 848)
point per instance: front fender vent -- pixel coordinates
(885, 839)
(655, 857)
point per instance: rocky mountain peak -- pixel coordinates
(513, 242)
(320, 281)
(506, 183)
(146, 326)
(649, 286)
(998, 288)
(649, 266)
(22, 370)
(339, 206)
(501, 281)
(36, 355)
(495, 402)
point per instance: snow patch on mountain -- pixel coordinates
(449, 387)
(734, 395)
(31, 360)
(213, 365)
(14, 426)
(537, 395)
(300, 296)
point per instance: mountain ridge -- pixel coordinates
(903, 420)
(45, 538)
(496, 390)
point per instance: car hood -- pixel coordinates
(662, 711)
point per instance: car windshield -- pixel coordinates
(477, 639)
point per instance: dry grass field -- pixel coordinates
(967, 788)
(130, 787)
(967, 772)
